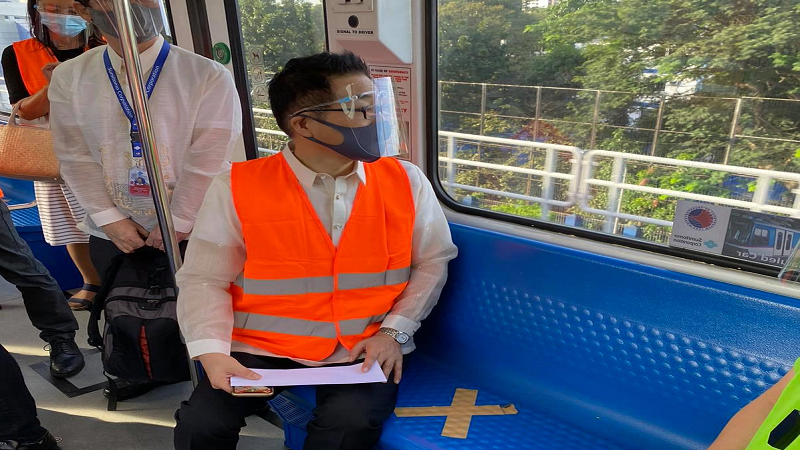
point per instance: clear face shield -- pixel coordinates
(60, 23)
(148, 18)
(365, 126)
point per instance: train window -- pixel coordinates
(789, 237)
(14, 26)
(274, 32)
(550, 111)
(779, 241)
(761, 237)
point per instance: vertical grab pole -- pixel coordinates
(133, 70)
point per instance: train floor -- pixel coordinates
(82, 421)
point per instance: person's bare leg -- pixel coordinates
(80, 256)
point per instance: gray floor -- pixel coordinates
(83, 421)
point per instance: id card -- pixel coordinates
(138, 182)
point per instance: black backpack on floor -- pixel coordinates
(141, 341)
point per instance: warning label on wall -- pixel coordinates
(402, 84)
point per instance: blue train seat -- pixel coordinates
(593, 352)
(26, 221)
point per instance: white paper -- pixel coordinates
(313, 376)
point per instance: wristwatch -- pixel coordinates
(398, 336)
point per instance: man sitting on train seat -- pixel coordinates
(196, 117)
(768, 422)
(323, 254)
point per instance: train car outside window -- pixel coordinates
(602, 114)
(14, 26)
(275, 31)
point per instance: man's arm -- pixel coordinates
(740, 430)
(79, 169)
(432, 250)
(214, 258)
(216, 129)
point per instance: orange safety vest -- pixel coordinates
(299, 295)
(31, 57)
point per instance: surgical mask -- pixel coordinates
(63, 24)
(147, 22)
(360, 144)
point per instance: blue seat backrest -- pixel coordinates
(17, 191)
(654, 358)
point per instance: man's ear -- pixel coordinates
(299, 125)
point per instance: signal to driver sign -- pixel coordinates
(745, 235)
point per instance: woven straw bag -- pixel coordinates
(26, 152)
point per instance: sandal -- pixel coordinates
(82, 304)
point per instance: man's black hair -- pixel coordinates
(305, 82)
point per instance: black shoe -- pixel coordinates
(47, 442)
(66, 358)
(129, 391)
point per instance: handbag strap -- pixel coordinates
(12, 120)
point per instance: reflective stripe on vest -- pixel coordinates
(299, 296)
(781, 421)
(31, 57)
(319, 285)
(299, 327)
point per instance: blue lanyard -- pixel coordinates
(136, 144)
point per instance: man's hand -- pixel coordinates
(126, 234)
(220, 368)
(155, 240)
(385, 350)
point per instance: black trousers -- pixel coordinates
(18, 420)
(102, 252)
(44, 302)
(347, 417)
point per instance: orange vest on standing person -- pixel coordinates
(300, 296)
(31, 57)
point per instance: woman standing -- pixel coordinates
(59, 34)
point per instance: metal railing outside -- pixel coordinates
(638, 104)
(617, 184)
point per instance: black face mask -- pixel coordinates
(360, 144)
(147, 22)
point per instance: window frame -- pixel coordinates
(431, 46)
(240, 78)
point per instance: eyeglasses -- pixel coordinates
(367, 111)
(56, 9)
(346, 105)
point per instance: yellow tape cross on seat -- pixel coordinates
(459, 413)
